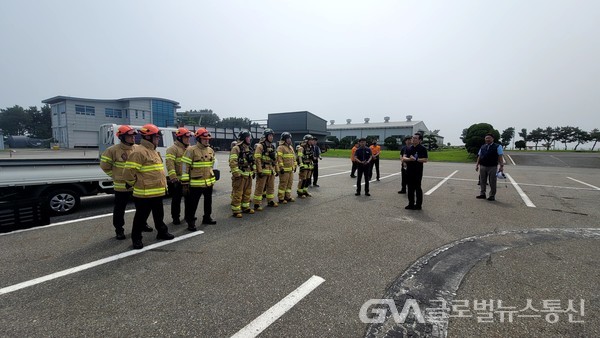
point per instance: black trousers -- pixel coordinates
(176, 192)
(315, 173)
(143, 208)
(404, 182)
(121, 200)
(414, 188)
(363, 169)
(354, 166)
(194, 197)
(375, 163)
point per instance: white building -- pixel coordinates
(379, 130)
(76, 121)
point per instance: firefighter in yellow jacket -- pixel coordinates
(197, 173)
(173, 161)
(286, 161)
(265, 158)
(305, 161)
(146, 174)
(112, 162)
(241, 162)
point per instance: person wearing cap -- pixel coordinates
(375, 150)
(415, 157)
(146, 174)
(286, 162)
(305, 162)
(265, 159)
(363, 158)
(488, 159)
(241, 162)
(173, 161)
(407, 144)
(198, 175)
(113, 162)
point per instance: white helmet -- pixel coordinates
(500, 174)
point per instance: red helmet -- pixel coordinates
(203, 134)
(183, 132)
(126, 130)
(150, 129)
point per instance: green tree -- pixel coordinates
(536, 136)
(335, 140)
(565, 135)
(507, 136)
(549, 135)
(475, 136)
(391, 143)
(41, 122)
(235, 122)
(520, 145)
(346, 142)
(581, 136)
(594, 136)
(14, 121)
(202, 117)
(523, 134)
(430, 141)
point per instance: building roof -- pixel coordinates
(298, 112)
(60, 98)
(376, 125)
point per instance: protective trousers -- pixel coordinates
(266, 181)
(241, 193)
(143, 208)
(303, 181)
(285, 186)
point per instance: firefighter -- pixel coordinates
(305, 161)
(173, 162)
(241, 162)
(286, 161)
(265, 157)
(112, 162)
(146, 174)
(199, 178)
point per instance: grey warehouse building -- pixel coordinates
(378, 130)
(298, 124)
(76, 121)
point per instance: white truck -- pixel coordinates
(61, 182)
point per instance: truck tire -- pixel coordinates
(62, 201)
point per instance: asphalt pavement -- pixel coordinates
(308, 268)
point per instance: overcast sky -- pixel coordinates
(452, 63)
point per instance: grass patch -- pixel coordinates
(445, 155)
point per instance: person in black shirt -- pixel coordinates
(414, 157)
(363, 157)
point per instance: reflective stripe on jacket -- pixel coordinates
(286, 157)
(145, 171)
(264, 163)
(196, 166)
(113, 162)
(173, 159)
(240, 149)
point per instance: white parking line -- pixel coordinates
(521, 193)
(589, 185)
(440, 184)
(343, 172)
(62, 223)
(511, 160)
(263, 321)
(90, 265)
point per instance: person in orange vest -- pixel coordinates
(198, 175)
(173, 161)
(353, 159)
(146, 174)
(375, 151)
(112, 162)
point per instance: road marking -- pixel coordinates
(440, 184)
(511, 160)
(263, 321)
(589, 185)
(521, 193)
(343, 172)
(381, 178)
(62, 223)
(90, 265)
(558, 159)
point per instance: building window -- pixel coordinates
(85, 110)
(143, 115)
(114, 113)
(136, 115)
